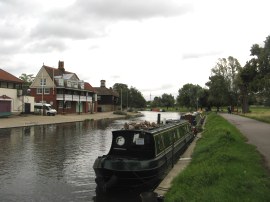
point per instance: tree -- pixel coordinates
(224, 83)
(261, 64)
(218, 91)
(167, 100)
(156, 102)
(123, 92)
(136, 98)
(189, 96)
(247, 82)
(27, 81)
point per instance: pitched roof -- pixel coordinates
(106, 91)
(5, 76)
(87, 86)
(56, 72)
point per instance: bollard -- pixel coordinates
(149, 197)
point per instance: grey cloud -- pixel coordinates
(49, 45)
(16, 8)
(139, 9)
(8, 30)
(89, 18)
(62, 29)
(199, 54)
(6, 49)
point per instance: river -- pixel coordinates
(54, 162)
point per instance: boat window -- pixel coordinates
(181, 131)
(159, 144)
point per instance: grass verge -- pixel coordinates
(223, 168)
(259, 113)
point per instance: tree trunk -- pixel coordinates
(245, 106)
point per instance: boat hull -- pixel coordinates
(114, 173)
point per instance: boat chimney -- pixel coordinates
(158, 119)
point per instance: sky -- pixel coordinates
(155, 46)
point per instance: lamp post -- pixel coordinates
(121, 99)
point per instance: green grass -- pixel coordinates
(259, 113)
(223, 168)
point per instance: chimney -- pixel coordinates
(102, 83)
(61, 66)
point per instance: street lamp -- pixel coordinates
(121, 99)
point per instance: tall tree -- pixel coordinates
(167, 100)
(223, 84)
(247, 83)
(136, 98)
(123, 92)
(189, 96)
(156, 102)
(261, 63)
(218, 91)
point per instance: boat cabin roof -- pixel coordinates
(139, 142)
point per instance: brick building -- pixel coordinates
(63, 90)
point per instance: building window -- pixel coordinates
(10, 85)
(3, 84)
(60, 104)
(98, 97)
(39, 90)
(68, 104)
(46, 90)
(43, 82)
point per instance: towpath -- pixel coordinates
(257, 133)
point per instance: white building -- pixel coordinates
(13, 100)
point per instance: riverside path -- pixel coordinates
(257, 133)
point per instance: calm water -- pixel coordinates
(54, 162)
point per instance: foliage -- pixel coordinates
(156, 102)
(189, 96)
(224, 82)
(167, 100)
(259, 69)
(123, 92)
(27, 78)
(136, 99)
(223, 168)
(27, 81)
(129, 98)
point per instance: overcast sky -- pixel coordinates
(156, 46)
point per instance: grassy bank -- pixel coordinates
(223, 168)
(259, 113)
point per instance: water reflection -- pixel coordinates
(54, 162)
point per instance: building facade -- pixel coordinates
(63, 90)
(13, 98)
(106, 97)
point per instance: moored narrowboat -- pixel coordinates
(141, 155)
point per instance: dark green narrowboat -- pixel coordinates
(142, 157)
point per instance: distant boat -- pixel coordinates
(141, 155)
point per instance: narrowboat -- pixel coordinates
(141, 155)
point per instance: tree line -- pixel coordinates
(229, 84)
